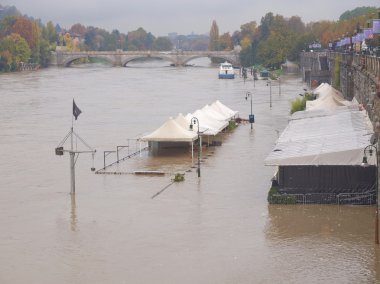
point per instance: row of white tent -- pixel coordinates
(212, 120)
(331, 131)
(328, 98)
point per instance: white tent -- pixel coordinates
(204, 128)
(207, 121)
(320, 88)
(323, 137)
(186, 121)
(170, 131)
(328, 99)
(217, 105)
(215, 113)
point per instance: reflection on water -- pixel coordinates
(73, 214)
(314, 221)
(325, 236)
(214, 229)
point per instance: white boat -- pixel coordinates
(226, 71)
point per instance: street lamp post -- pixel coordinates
(195, 120)
(370, 149)
(251, 116)
(270, 92)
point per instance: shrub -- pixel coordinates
(300, 104)
(179, 177)
(275, 197)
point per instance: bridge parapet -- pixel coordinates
(121, 58)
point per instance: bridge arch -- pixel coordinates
(125, 61)
(70, 60)
(227, 58)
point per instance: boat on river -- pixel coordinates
(226, 71)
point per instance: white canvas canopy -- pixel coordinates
(207, 121)
(328, 98)
(215, 113)
(170, 131)
(217, 105)
(186, 121)
(323, 137)
(204, 128)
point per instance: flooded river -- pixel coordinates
(215, 229)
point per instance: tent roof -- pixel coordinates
(212, 120)
(204, 127)
(171, 131)
(207, 121)
(323, 137)
(214, 113)
(328, 98)
(217, 105)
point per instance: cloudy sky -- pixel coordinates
(182, 16)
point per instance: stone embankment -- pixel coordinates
(356, 75)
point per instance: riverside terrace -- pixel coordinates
(173, 138)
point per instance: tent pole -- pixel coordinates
(200, 145)
(192, 153)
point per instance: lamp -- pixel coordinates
(251, 116)
(195, 120)
(364, 162)
(370, 149)
(269, 83)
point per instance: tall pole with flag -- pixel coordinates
(74, 153)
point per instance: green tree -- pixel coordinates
(214, 37)
(6, 25)
(359, 11)
(162, 44)
(51, 33)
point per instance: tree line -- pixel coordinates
(277, 39)
(270, 43)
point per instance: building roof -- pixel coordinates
(323, 137)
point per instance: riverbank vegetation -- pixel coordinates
(299, 104)
(270, 43)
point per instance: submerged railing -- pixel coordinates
(353, 198)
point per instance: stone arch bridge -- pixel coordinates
(121, 58)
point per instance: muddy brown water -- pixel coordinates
(216, 229)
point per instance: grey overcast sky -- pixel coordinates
(182, 16)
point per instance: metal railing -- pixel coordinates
(354, 198)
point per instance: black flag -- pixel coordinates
(76, 110)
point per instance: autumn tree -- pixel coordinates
(225, 42)
(140, 40)
(15, 49)
(25, 28)
(78, 29)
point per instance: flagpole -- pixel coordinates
(59, 150)
(72, 156)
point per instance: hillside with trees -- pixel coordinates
(277, 39)
(269, 43)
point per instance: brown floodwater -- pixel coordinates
(217, 228)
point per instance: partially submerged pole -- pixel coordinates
(72, 171)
